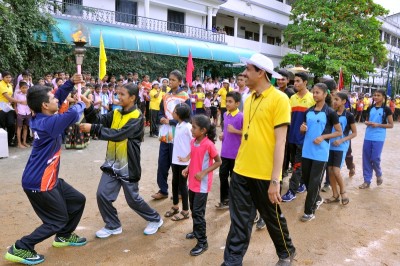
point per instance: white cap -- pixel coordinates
(155, 83)
(262, 62)
(225, 81)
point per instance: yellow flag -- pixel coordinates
(102, 58)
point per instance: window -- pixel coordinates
(393, 41)
(270, 40)
(72, 7)
(229, 30)
(126, 11)
(387, 37)
(256, 36)
(248, 35)
(176, 21)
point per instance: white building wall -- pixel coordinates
(103, 4)
(260, 10)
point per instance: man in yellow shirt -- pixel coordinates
(222, 93)
(7, 114)
(155, 95)
(256, 179)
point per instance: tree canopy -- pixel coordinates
(21, 24)
(333, 34)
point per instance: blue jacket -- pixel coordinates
(41, 171)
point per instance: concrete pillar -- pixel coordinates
(147, 8)
(261, 32)
(209, 18)
(235, 27)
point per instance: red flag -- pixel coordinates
(189, 69)
(341, 81)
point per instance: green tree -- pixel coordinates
(333, 34)
(21, 25)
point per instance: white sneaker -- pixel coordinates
(104, 232)
(152, 227)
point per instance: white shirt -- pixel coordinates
(183, 136)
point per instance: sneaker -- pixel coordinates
(72, 240)
(302, 188)
(23, 256)
(326, 188)
(260, 224)
(319, 203)
(104, 232)
(289, 196)
(152, 227)
(257, 217)
(286, 261)
(222, 205)
(307, 217)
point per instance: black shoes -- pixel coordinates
(199, 249)
(190, 235)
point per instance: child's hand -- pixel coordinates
(337, 142)
(183, 159)
(199, 176)
(221, 136)
(185, 172)
(164, 121)
(86, 101)
(77, 78)
(85, 127)
(318, 140)
(303, 127)
(231, 129)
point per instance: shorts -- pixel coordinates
(214, 112)
(336, 158)
(23, 120)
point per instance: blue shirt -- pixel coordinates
(377, 115)
(345, 120)
(318, 123)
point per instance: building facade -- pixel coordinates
(228, 28)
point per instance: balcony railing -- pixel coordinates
(64, 9)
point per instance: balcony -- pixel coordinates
(60, 9)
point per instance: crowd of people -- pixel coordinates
(266, 133)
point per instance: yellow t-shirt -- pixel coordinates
(155, 101)
(354, 105)
(223, 92)
(5, 88)
(200, 95)
(366, 103)
(397, 103)
(262, 115)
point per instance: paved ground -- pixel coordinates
(366, 232)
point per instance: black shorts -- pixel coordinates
(336, 158)
(214, 112)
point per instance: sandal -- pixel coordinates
(332, 199)
(182, 216)
(171, 212)
(345, 200)
(364, 185)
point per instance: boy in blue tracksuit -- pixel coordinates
(57, 204)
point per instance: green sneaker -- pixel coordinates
(23, 256)
(73, 240)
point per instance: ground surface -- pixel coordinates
(366, 232)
